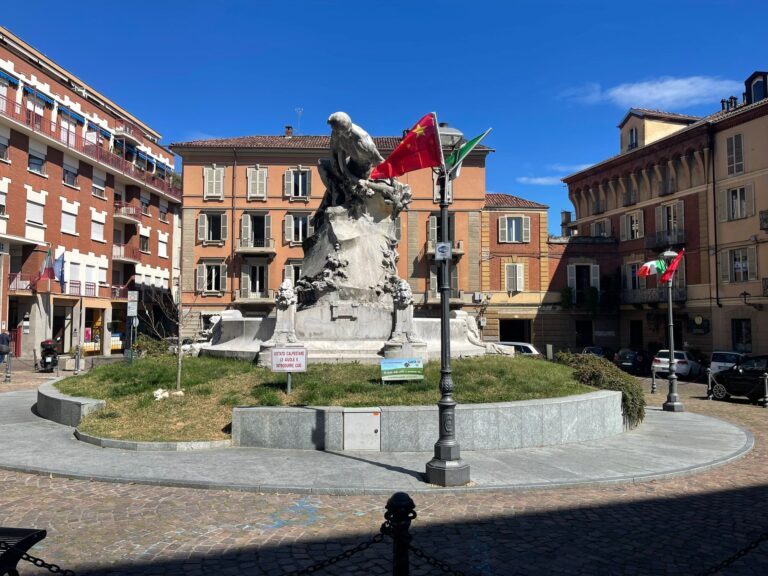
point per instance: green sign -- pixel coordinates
(400, 369)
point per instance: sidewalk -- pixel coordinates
(665, 445)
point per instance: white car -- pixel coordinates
(720, 361)
(523, 348)
(685, 365)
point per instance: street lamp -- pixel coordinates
(446, 468)
(673, 403)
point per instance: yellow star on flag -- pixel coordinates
(419, 130)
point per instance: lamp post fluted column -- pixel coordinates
(446, 467)
(673, 403)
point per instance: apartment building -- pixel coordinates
(248, 206)
(695, 183)
(82, 177)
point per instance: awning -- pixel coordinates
(105, 133)
(13, 81)
(40, 95)
(74, 115)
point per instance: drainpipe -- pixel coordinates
(232, 230)
(714, 213)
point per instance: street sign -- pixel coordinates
(133, 295)
(399, 369)
(133, 308)
(289, 360)
(135, 322)
(443, 251)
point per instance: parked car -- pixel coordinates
(742, 379)
(684, 363)
(523, 348)
(636, 362)
(720, 361)
(599, 351)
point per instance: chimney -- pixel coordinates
(288, 131)
(722, 103)
(734, 102)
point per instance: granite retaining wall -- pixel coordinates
(58, 407)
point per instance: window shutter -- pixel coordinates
(680, 220)
(526, 229)
(592, 229)
(594, 276)
(738, 154)
(725, 266)
(288, 272)
(572, 276)
(310, 228)
(433, 229)
(267, 229)
(607, 227)
(520, 278)
(750, 195)
(223, 272)
(398, 231)
(623, 224)
(216, 187)
(309, 183)
(511, 278)
(224, 226)
(245, 280)
(730, 157)
(288, 227)
(288, 184)
(661, 224)
(454, 281)
(245, 230)
(261, 184)
(752, 262)
(207, 182)
(432, 279)
(641, 224)
(201, 277)
(502, 229)
(252, 178)
(722, 206)
(680, 273)
(202, 227)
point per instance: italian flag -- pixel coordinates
(660, 267)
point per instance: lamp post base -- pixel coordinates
(447, 472)
(673, 403)
(673, 406)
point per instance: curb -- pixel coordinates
(137, 446)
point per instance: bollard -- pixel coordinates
(653, 382)
(765, 390)
(8, 367)
(400, 511)
(77, 360)
(709, 383)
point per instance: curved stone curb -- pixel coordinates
(63, 409)
(151, 446)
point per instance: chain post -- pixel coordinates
(709, 383)
(400, 511)
(39, 562)
(77, 360)
(765, 390)
(8, 367)
(653, 381)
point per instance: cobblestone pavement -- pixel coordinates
(678, 526)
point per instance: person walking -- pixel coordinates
(5, 345)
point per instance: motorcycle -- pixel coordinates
(49, 357)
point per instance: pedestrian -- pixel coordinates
(5, 341)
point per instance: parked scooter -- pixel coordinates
(49, 357)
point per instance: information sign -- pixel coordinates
(399, 369)
(289, 359)
(133, 308)
(133, 295)
(443, 251)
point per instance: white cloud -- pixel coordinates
(539, 180)
(666, 93)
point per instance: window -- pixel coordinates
(630, 196)
(292, 271)
(99, 184)
(297, 228)
(600, 228)
(298, 182)
(144, 244)
(255, 230)
(436, 228)
(69, 223)
(213, 182)
(36, 163)
(4, 143)
(743, 264)
(631, 280)
(145, 205)
(253, 280)
(582, 277)
(632, 139)
(102, 275)
(669, 217)
(758, 90)
(257, 182)
(735, 155)
(35, 110)
(35, 212)
(211, 277)
(70, 172)
(162, 248)
(97, 231)
(163, 212)
(736, 203)
(515, 277)
(3, 200)
(632, 226)
(435, 275)
(68, 128)
(212, 227)
(741, 334)
(514, 229)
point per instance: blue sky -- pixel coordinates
(553, 78)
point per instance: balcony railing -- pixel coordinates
(74, 141)
(434, 295)
(248, 294)
(664, 239)
(129, 130)
(90, 289)
(19, 282)
(127, 211)
(124, 252)
(119, 292)
(73, 287)
(653, 295)
(257, 244)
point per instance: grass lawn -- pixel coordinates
(213, 386)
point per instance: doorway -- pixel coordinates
(514, 330)
(62, 327)
(583, 333)
(636, 334)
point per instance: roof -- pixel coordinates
(659, 115)
(509, 201)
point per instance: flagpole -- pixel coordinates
(673, 403)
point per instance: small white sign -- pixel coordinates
(133, 309)
(135, 322)
(443, 251)
(289, 359)
(133, 295)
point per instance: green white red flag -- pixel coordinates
(660, 267)
(420, 148)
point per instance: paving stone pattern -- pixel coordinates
(677, 526)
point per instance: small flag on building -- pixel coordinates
(46, 269)
(58, 270)
(420, 148)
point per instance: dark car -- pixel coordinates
(743, 379)
(599, 351)
(636, 362)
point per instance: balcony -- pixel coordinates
(664, 239)
(248, 296)
(654, 295)
(127, 254)
(256, 246)
(129, 131)
(118, 292)
(127, 213)
(18, 282)
(75, 141)
(457, 250)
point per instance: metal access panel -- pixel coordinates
(362, 429)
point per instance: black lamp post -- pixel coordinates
(446, 468)
(673, 403)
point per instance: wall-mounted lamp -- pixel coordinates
(745, 295)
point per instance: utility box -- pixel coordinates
(362, 429)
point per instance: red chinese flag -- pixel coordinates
(420, 148)
(672, 267)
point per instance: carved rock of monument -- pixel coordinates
(285, 319)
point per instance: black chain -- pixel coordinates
(740, 554)
(52, 568)
(435, 562)
(343, 556)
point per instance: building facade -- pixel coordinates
(248, 206)
(82, 177)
